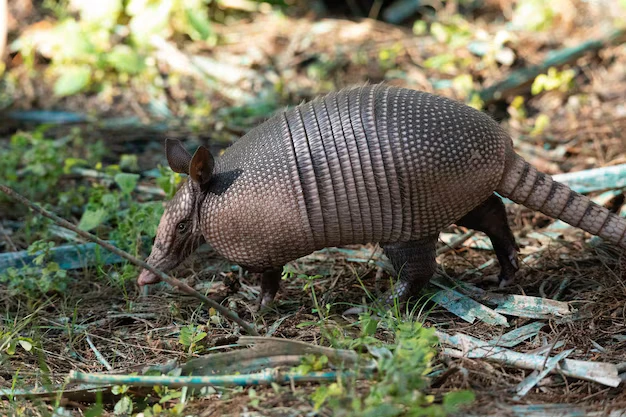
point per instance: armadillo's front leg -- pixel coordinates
(270, 283)
(490, 218)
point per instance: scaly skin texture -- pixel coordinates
(334, 172)
(370, 164)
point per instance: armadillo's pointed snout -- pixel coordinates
(146, 278)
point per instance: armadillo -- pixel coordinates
(368, 164)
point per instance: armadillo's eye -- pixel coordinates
(181, 227)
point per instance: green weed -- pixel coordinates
(553, 80)
(34, 281)
(34, 164)
(400, 380)
(190, 336)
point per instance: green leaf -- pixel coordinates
(71, 163)
(185, 336)
(99, 13)
(95, 410)
(439, 32)
(369, 326)
(26, 345)
(148, 18)
(124, 59)
(126, 182)
(199, 336)
(92, 218)
(200, 24)
(171, 395)
(541, 123)
(71, 42)
(123, 406)
(128, 162)
(72, 80)
(11, 347)
(538, 84)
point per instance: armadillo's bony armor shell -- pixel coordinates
(372, 164)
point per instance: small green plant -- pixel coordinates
(166, 395)
(516, 109)
(33, 164)
(388, 57)
(133, 221)
(553, 80)
(9, 343)
(34, 281)
(312, 363)
(168, 181)
(190, 336)
(400, 381)
(448, 63)
(124, 406)
(535, 15)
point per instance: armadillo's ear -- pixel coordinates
(177, 156)
(201, 167)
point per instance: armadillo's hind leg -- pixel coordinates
(270, 283)
(415, 263)
(490, 218)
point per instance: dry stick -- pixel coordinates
(172, 281)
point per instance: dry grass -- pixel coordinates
(132, 332)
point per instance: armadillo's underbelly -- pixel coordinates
(380, 164)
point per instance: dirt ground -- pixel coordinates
(307, 57)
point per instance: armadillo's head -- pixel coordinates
(179, 233)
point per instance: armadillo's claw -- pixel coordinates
(265, 300)
(355, 311)
(506, 280)
(270, 283)
(508, 271)
(400, 293)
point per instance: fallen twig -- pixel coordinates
(557, 58)
(99, 356)
(170, 280)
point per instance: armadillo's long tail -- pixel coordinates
(522, 183)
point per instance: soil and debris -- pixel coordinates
(294, 58)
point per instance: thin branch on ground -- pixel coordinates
(170, 280)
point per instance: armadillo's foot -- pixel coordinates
(507, 257)
(414, 262)
(270, 283)
(400, 293)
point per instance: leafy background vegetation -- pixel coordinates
(143, 69)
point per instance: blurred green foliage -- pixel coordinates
(33, 164)
(100, 39)
(31, 282)
(553, 80)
